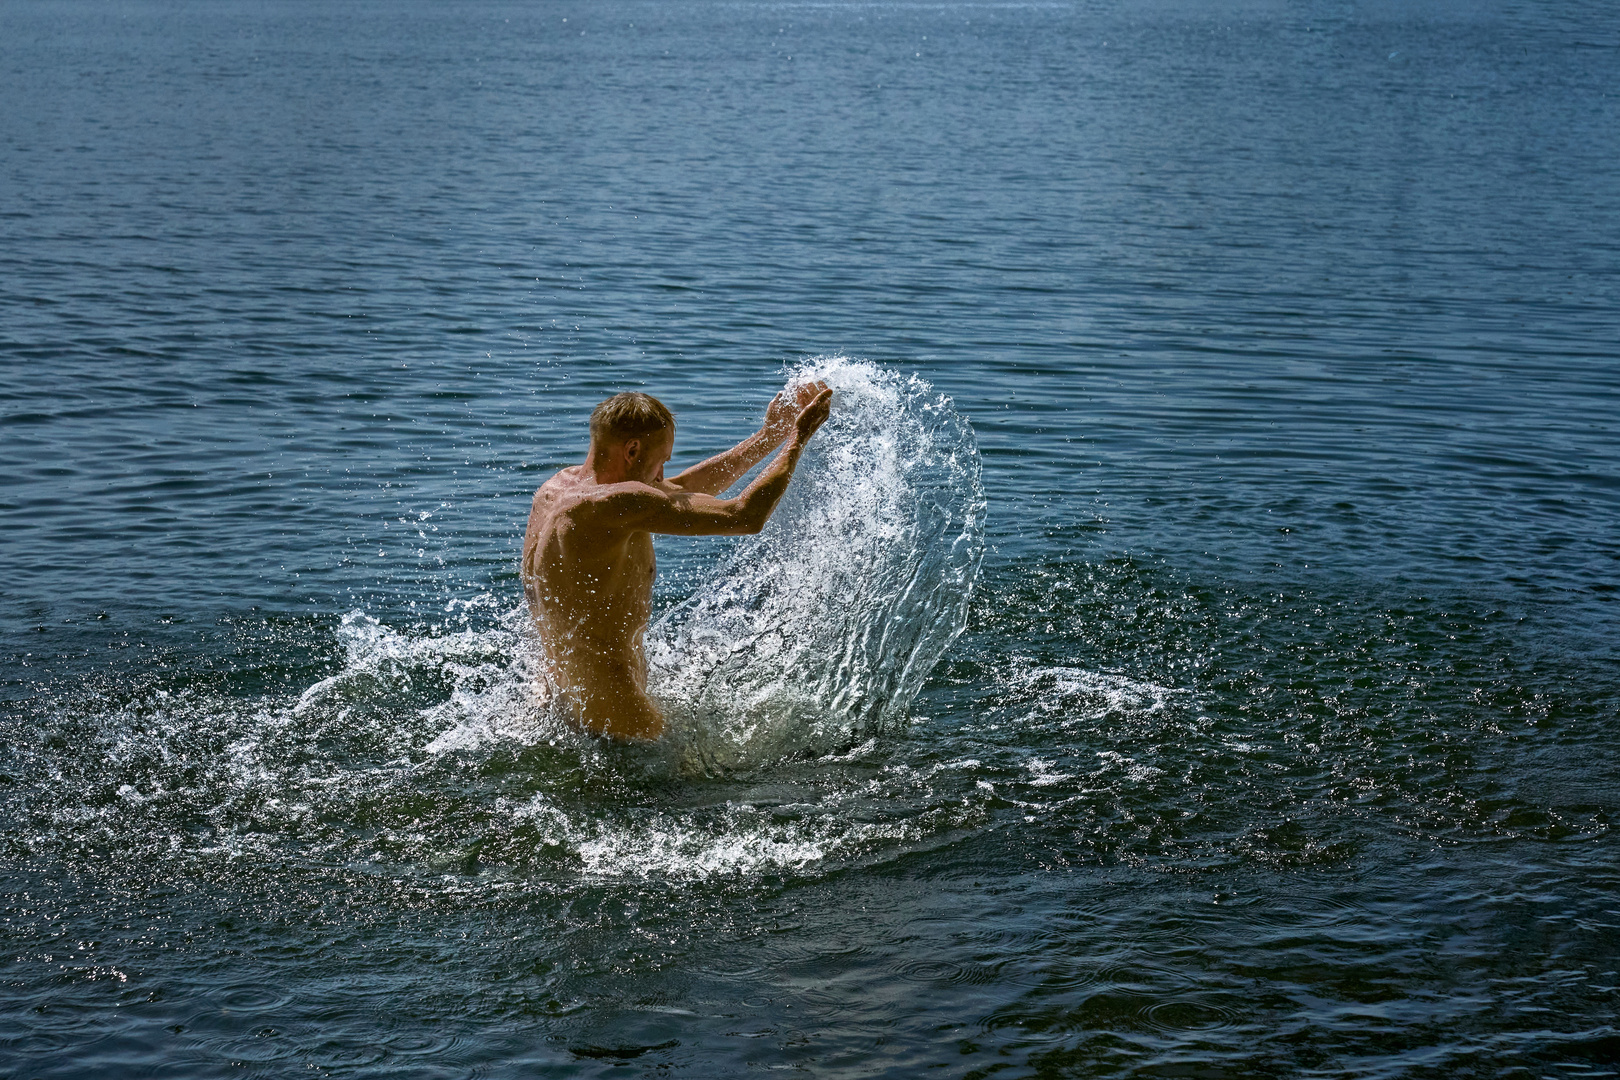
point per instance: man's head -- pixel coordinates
(632, 434)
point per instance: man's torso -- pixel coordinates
(589, 585)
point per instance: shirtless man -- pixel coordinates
(588, 555)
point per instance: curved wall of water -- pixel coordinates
(820, 630)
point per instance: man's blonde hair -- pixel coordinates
(632, 415)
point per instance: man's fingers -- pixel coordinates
(814, 400)
(809, 391)
(815, 414)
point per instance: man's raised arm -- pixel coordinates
(716, 474)
(693, 513)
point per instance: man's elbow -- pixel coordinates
(750, 524)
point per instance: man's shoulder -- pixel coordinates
(626, 494)
(600, 505)
(560, 480)
(567, 487)
(572, 495)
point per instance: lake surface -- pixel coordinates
(1280, 735)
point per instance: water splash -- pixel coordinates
(434, 744)
(822, 629)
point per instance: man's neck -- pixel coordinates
(603, 472)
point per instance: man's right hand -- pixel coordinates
(785, 408)
(813, 416)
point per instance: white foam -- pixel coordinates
(1073, 696)
(734, 840)
(373, 650)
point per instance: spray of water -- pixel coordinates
(820, 631)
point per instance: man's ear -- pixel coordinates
(632, 449)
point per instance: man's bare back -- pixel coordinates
(588, 560)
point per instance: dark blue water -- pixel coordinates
(1280, 738)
